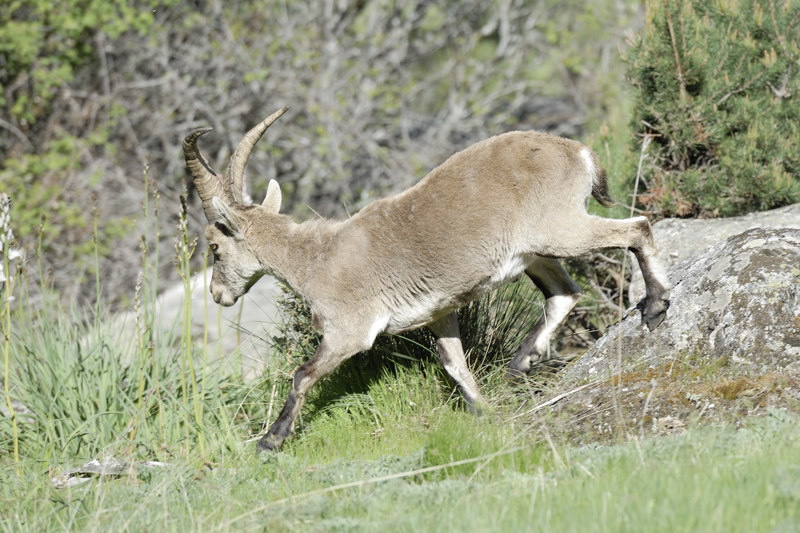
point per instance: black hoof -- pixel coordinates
(269, 443)
(654, 313)
(653, 321)
(519, 367)
(478, 407)
(476, 410)
(516, 376)
(549, 366)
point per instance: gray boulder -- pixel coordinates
(740, 300)
(241, 330)
(681, 239)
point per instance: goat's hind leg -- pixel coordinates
(593, 233)
(561, 294)
(656, 302)
(637, 235)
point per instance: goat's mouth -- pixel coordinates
(225, 301)
(223, 298)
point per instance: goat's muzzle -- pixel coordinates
(222, 296)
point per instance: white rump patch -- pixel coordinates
(587, 158)
(586, 154)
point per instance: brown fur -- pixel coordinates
(510, 204)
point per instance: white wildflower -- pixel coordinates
(6, 237)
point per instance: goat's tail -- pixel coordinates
(600, 188)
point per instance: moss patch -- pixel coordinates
(668, 397)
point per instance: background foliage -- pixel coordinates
(380, 91)
(716, 87)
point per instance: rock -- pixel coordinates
(109, 467)
(739, 301)
(680, 239)
(244, 327)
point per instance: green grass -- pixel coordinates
(430, 468)
(383, 445)
(397, 455)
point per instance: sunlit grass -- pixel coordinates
(383, 444)
(452, 471)
(396, 453)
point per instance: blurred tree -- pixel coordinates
(56, 116)
(380, 92)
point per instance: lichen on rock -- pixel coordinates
(739, 301)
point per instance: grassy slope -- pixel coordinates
(398, 456)
(712, 480)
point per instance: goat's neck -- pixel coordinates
(306, 246)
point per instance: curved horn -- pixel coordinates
(205, 179)
(235, 173)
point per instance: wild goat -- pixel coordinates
(510, 204)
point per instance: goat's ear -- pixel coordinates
(272, 201)
(225, 217)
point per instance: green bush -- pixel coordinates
(492, 328)
(716, 87)
(56, 119)
(44, 43)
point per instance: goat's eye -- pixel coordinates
(214, 247)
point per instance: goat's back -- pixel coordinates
(503, 184)
(470, 224)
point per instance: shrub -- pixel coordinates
(492, 328)
(716, 88)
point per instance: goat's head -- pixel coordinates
(231, 218)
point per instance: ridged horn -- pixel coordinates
(205, 179)
(234, 176)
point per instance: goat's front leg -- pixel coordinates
(331, 352)
(451, 352)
